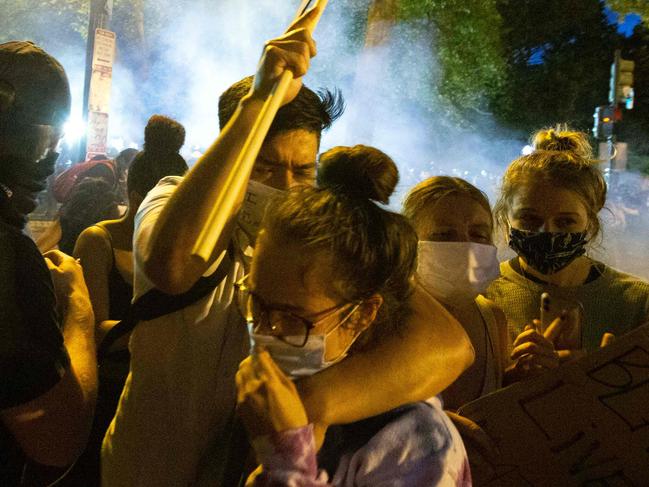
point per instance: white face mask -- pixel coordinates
(303, 361)
(456, 272)
(256, 200)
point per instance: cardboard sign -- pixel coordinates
(585, 424)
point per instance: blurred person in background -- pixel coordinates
(106, 251)
(113, 171)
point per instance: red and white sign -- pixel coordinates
(99, 95)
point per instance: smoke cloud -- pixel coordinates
(204, 47)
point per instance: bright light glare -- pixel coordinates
(74, 129)
(527, 150)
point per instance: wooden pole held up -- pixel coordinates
(238, 178)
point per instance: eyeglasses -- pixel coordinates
(288, 327)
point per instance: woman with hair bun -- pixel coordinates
(106, 254)
(106, 249)
(331, 277)
(548, 206)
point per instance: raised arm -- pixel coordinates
(167, 257)
(432, 352)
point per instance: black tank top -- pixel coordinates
(120, 292)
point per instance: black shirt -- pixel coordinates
(32, 354)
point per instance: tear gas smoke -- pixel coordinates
(203, 47)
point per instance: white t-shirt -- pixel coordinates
(180, 392)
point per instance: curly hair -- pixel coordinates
(163, 139)
(91, 201)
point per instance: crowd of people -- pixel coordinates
(325, 341)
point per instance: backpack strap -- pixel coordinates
(156, 303)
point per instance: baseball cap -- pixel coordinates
(33, 86)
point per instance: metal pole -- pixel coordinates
(99, 18)
(612, 99)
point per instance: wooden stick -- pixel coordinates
(238, 178)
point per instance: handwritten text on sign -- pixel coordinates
(587, 424)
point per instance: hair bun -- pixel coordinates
(359, 171)
(563, 140)
(163, 135)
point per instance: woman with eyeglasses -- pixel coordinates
(330, 278)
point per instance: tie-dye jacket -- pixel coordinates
(414, 445)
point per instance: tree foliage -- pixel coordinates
(528, 62)
(623, 7)
(469, 47)
(54, 23)
(558, 60)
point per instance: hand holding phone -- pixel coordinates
(551, 308)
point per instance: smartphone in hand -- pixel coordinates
(551, 308)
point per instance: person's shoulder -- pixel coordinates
(9, 243)
(157, 197)
(508, 281)
(421, 429)
(93, 239)
(508, 272)
(96, 232)
(9, 234)
(620, 278)
(485, 303)
(419, 426)
(160, 192)
(169, 182)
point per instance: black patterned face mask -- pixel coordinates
(547, 252)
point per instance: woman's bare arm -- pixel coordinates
(94, 251)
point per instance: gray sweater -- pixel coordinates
(614, 302)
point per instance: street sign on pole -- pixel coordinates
(99, 18)
(99, 93)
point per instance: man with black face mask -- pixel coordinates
(47, 365)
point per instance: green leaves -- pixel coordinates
(469, 47)
(623, 7)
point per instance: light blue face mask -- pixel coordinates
(302, 361)
(456, 272)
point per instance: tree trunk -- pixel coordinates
(381, 17)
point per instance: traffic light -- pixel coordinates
(622, 82)
(604, 122)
